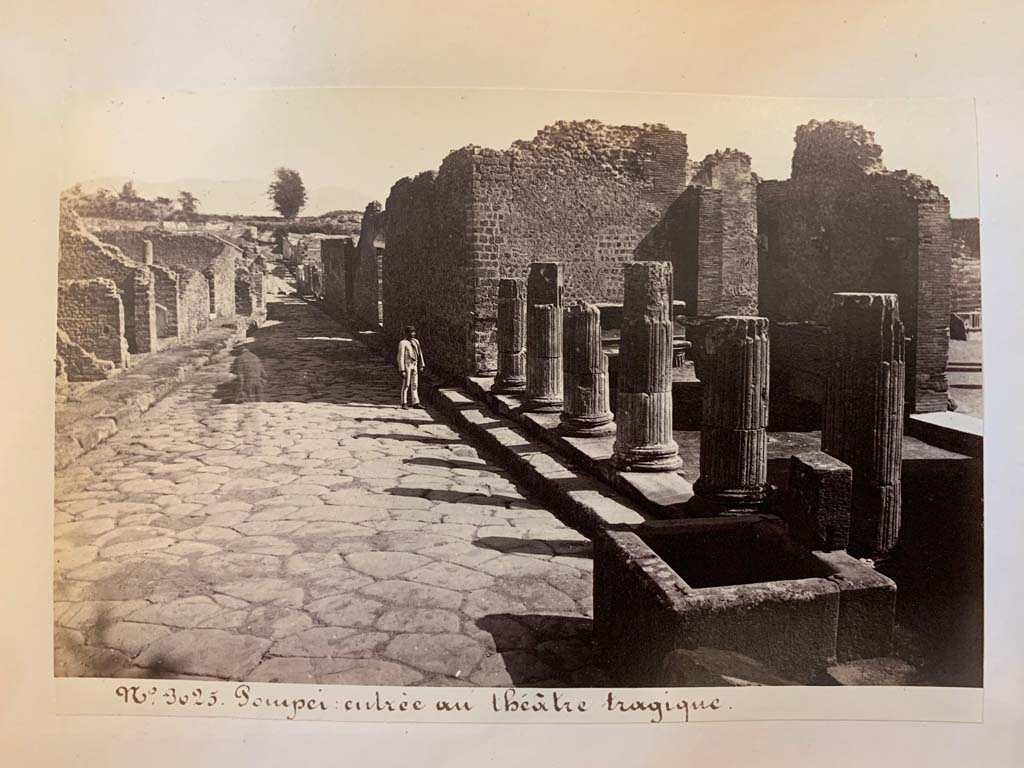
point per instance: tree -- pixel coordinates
(128, 193)
(287, 192)
(189, 203)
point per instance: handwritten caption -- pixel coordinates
(247, 699)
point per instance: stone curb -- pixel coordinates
(103, 418)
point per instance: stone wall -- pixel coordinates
(965, 283)
(78, 364)
(337, 256)
(842, 224)
(366, 303)
(166, 285)
(185, 252)
(583, 194)
(84, 257)
(91, 314)
(193, 304)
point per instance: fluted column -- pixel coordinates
(511, 336)
(643, 421)
(586, 411)
(544, 337)
(863, 414)
(733, 432)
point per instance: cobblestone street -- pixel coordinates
(321, 535)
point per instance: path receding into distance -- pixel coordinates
(322, 535)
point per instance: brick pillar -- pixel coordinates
(149, 252)
(585, 366)
(863, 414)
(733, 434)
(511, 336)
(144, 307)
(643, 421)
(544, 337)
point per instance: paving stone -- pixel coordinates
(214, 652)
(183, 612)
(137, 546)
(258, 590)
(330, 642)
(449, 576)
(234, 565)
(71, 559)
(264, 545)
(447, 654)
(418, 620)
(281, 670)
(346, 610)
(130, 637)
(366, 672)
(384, 565)
(510, 668)
(312, 562)
(335, 581)
(408, 593)
(275, 622)
(97, 570)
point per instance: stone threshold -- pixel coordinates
(85, 420)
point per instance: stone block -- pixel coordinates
(867, 608)
(818, 506)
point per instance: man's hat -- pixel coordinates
(410, 329)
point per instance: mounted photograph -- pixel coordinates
(440, 387)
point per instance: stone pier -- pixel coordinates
(148, 257)
(544, 338)
(733, 434)
(643, 434)
(587, 412)
(863, 415)
(511, 336)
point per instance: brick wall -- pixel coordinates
(965, 279)
(193, 304)
(583, 194)
(366, 304)
(91, 314)
(836, 227)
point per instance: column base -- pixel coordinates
(648, 458)
(508, 386)
(543, 405)
(595, 426)
(737, 498)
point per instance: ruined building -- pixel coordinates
(842, 222)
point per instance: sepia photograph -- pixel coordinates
(518, 389)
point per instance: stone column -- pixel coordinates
(149, 251)
(544, 337)
(733, 432)
(586, 412)
(863, 414)
(511, 336)
(643, 421)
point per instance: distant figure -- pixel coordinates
(410, 363)
(251, 377)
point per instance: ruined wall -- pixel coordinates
(965, 280)
(366, 300)
(710, 235)
(78, 364)
(91, 314)
(584, 194)
(336, 256)
(193, 304)
(84, 257)
(185, 252)
(166, 286)
(841, 224)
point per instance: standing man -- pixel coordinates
(410, 363)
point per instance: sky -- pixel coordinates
(351, 144)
